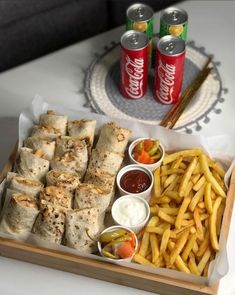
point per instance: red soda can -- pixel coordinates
(169, 69)
(134, 64)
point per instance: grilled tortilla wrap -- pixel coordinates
(66, 180)
(55, 196)
(46, 132)
(88, 195)
(72, 145)
(109, 162)
(20, 214)
(31, 165)
(70, 163)
(56, 121)
(46, 146)
(113, 138)
(49, 224)
(83, 130)
(82, 229)
(23, 184)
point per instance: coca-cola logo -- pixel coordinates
(166, 75)
(135, 72)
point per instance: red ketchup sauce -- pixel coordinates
(135, 181)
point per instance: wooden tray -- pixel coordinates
(106, 271)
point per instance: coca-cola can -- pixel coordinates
(134, 64)
(169, 69)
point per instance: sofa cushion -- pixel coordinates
(14, 10)
(46, 32)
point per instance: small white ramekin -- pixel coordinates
(111, 228)
(135, 228)
(151, 167)
(145, 194)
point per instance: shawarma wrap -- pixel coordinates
(109, 162)
(49, 224)
(113, 138)
(66, 180)
(57, 121)
(83, 130)
(23, 184)
(46, 132)
(55, 196)
(68, 144)
(82, 229)
(88, 195)
(32, 165)
(70, 163)
(46, 146)
(20, 214)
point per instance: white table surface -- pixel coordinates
(58, 78)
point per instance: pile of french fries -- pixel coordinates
(186, 213)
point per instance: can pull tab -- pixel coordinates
(140, 12)
(170, 47)
(134, 39)
(175, 15)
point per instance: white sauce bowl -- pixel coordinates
(131, 211)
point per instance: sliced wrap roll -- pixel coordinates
(82, 229)
(23, 184)
(65, 144)
(46, 146)
(113, 138)
(106, 161)
(20, 214)
(66, 180)
(83, 130)
(49, 224)
(55, 196)
(89, 195)
(46, 132)
(57, 121)
(31, 165)
(71, 163)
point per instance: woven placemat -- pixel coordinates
(102, 91)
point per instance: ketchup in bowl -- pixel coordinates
(135, 181)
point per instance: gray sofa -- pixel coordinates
(32, 28)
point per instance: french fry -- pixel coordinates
(185, 153)
(186, 177)
(196, 198)
(165, 239)
(144, 245)
(205, 258)
(169, 180)
(207, 198)
(189, 246)
(179, 263)
(159, 230)
(219, 218)
(196, 177)
(199, 183)
(219, 180)
(179, 246)
(157, 183)
(141, 260)
(219, 169)
(197, 219)
(166, 217)
(192, 265)
(189, 188)
(212, 224)
(176, 163)
(209, 177)
(182, 210)
(172, 171)
(155, 247)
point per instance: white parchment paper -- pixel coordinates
(219, 147)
